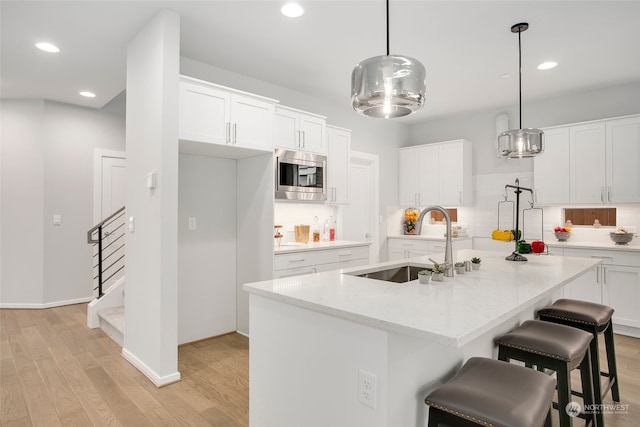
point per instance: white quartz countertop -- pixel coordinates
(610, 246)
(311, 246)
(427, 237)
(453, 312)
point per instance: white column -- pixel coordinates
(151, 336)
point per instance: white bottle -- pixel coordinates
(325, 231)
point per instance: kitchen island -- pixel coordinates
(315, 337)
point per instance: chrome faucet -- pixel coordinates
(448, 252)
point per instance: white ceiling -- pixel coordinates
(466, 46)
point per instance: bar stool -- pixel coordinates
(490, 392)
(559, 348)
(595, 319)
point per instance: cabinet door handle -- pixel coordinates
(304, 138)
(604, 275)
(345, 253)
(601, 257)
(228, 132)
(609, 193)
(602, 194)
(235, 133)
(296, 260)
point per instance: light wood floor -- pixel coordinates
(54, 371)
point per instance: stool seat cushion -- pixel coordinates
(496, 393)
(548, 339)
(579, 311)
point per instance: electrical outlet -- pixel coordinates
(367, 390)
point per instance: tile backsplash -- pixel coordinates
(481, 219)
(290, 214)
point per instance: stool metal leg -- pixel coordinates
(611, 362)
(588, 395)
(595, 373)
(564, 395)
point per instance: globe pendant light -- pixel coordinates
(388, 86)
(519, 143)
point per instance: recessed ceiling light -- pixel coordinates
(292, 10)
(88, 94)
(505, 76)
(547, 65)
(47, 47)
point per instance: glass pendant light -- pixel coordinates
(388, 86)
(519, 143)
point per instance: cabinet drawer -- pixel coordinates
(631, 259)
(300, 259)
(319, 257)
(348, 254)
(408, 245)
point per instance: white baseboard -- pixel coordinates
(158, 380)
(39, 306)
(243, 333)
(626, 330)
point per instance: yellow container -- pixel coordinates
(302, 233)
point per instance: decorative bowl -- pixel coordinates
(621, 238)
(562, 236)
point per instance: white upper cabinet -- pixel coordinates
(551, 169)
(623, 160)
(408, 178)
(299, 130)
(338, 159)
(590, 163)
(436, 174)
(218, 115)
(251, 122)
(205, 113)
(587, 163)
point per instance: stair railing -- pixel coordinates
(107, 238)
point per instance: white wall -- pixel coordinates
(491, 174)
(47, 168)
(206, 255)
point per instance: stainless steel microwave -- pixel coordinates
(300, 176)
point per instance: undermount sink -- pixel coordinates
(400, 274)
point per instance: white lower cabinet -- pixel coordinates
(616, 283)
(409, 247)
(621, 290)
(315, 261)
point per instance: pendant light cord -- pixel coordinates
(387, 27)
(520, 74)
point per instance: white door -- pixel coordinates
(110, 194)
(114, 190)
(360, 216)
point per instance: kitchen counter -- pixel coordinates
(427, 237)
(313, 337)
(610, 246)
(286, 248)
(453, 312)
